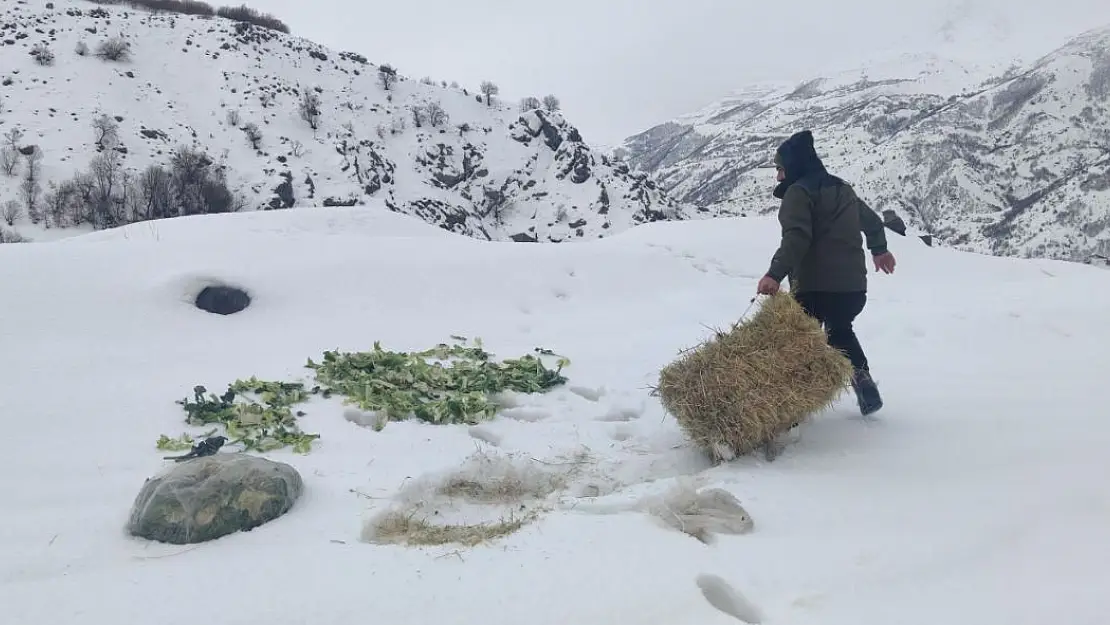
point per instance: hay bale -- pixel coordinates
(741, 389)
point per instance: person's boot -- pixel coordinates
(867, 392)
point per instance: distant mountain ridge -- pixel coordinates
(1013, 164)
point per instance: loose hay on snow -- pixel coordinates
(490, 479)
(405, 528)
(740, 389)
(488, 498)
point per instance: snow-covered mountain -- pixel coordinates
(236, 116)
(1013, 162)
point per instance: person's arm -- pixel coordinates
(873, 228)
(796, 218)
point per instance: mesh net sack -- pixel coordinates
(209, 497)
(740, 389)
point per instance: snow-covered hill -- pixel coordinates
(990, 453)
(234, 93)
(1011, 163)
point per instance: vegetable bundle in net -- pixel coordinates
(740, 389)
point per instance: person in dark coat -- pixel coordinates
(821, 252)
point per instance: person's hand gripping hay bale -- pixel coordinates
(741, 389)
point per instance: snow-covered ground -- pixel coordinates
(977, 496)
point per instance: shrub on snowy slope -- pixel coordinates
(106, 196)
(10, 236)
(284, 122)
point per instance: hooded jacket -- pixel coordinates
(822, 219)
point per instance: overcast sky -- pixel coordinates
(622, 66)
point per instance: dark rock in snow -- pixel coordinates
(892, 221)
(223, 300)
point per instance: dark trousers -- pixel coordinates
(836, 312)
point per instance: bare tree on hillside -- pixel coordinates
(310, 108)
(105, 182)
(107, 132)
(437, 116)
(530, 103)
(11, 212)
(106, 195)
(431, 113)
(418, 115)
(9, 160)
(254, 135)
(57, 202)
(387, 76)
(31, 187)
(13, 137)
(551, 103)
(156, 192)
(489, 90)
(199, 186)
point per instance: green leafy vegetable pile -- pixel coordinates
(444, 385)
(455, 387)
(264, 424)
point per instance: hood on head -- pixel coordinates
(798, 158)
